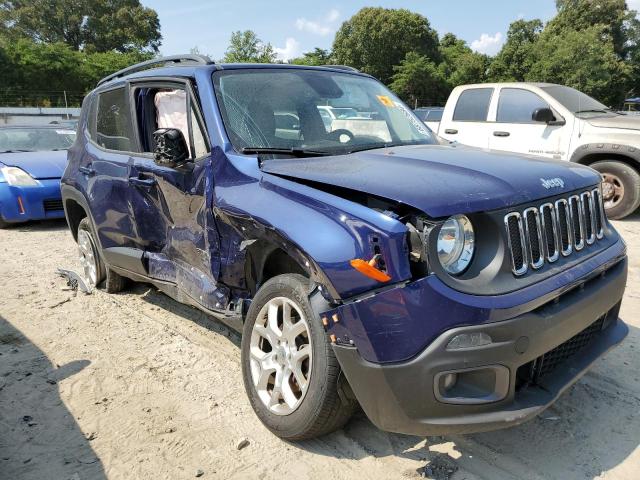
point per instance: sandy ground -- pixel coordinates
(137, 386)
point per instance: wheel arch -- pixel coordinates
(591, 153)
(75, 209)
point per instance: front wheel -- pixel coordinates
(620, 188)
(289, 369)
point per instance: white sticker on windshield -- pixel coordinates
(65, 132)
(412, 118)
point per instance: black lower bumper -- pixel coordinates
(407, 397)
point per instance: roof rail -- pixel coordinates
(342, 67)
(161, 61)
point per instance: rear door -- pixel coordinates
(105, 168)
(515, 131)
(467, 121)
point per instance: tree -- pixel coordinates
(376, 39)
(418, 81)
(246, 47)
(318, 56)
(459, 64)
(90, 25)
(513, 62)
(585, 60)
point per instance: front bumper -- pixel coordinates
(38, 202)
(404, 397)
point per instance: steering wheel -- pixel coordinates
(338, 134)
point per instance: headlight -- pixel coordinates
(18, 177)
(456, 244)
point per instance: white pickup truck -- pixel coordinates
(551, 121)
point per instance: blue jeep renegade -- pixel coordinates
(443, 289)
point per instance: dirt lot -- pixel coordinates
(137, 386)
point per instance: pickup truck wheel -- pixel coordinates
(94, 269)
(289, 370)
(620, 188)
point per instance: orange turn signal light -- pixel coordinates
(369, 270)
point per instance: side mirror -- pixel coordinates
(545, 115)
(170, 147)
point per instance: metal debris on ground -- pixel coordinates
(440, 467)
(75, 281)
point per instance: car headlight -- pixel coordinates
(456, 243)
(17, 177)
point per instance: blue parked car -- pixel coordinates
(32, 159)
(444, 289)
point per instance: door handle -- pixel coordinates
(87, 171)
(451, 131)
(501, 134)
(145, 183)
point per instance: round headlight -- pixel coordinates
(456, 244)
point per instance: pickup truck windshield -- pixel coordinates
(320, 112)
(577, 102)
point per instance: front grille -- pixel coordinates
(52, 204)
(534, 371)
(540, 235)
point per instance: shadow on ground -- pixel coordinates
(39, 437)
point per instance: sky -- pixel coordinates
(294, 27)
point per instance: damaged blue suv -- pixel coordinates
(441, 288)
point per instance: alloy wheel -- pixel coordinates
(280, 355)
(88, 259)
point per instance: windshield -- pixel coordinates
(311, 110)
(33, 139)
(577, 102)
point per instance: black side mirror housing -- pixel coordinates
(170, 147)
(545, 115)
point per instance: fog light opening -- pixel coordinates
(469, 340)
(449, 381)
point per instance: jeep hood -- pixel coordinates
(625, 122)
(40, 165)
(439, 180)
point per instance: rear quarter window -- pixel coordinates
(114, 130)
(473, 105)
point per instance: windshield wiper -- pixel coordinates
(595, 111)
(384, 145)
(294, 152)
(15, 151)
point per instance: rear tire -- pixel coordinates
(621, 188)
(3, 224)
(94, 269)
(293, 399)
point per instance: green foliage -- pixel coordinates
(459, 64)
(89, 25)
(514, 61)
(418, 81)
(374, 40)
(246, 47)
(318, 56)
(39, 73)
(585, 60)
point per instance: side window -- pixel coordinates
(91, 116)
(168, 108)
(113, 124)
(517, 105)
(473, 105)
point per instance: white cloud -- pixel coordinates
(322, 27)
(634, 5)
(290, 50)
(489, 44)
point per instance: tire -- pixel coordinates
(319, 408)
(3, 224)
(621, 188)
(94, 269)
